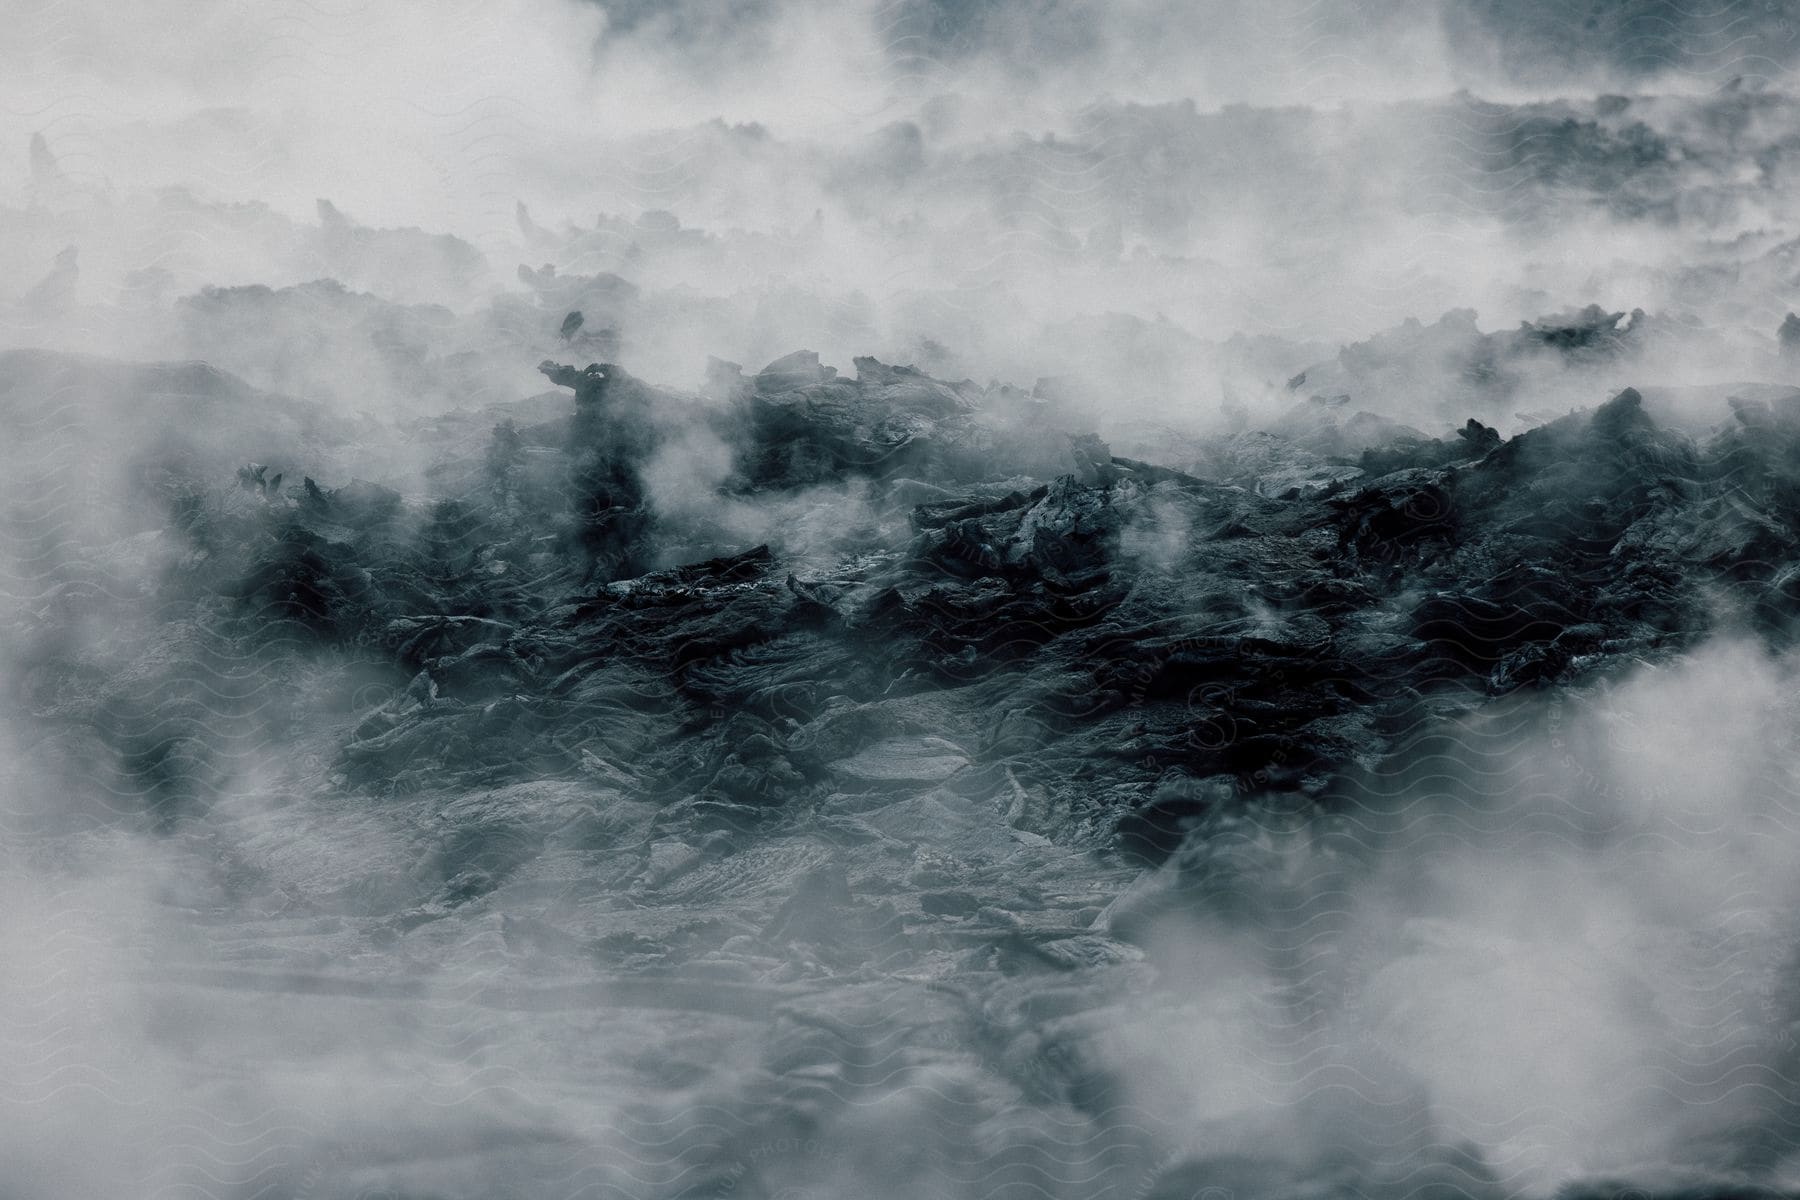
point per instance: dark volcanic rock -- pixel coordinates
(922, 803)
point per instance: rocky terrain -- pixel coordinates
(870, 783)
(948, 599)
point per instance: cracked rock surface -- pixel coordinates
(1007, 816)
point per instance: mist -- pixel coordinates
(944, 597)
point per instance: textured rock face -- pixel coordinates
(1038, 834)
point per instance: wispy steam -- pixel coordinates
(953, 597)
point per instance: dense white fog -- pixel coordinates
(1163, 699)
